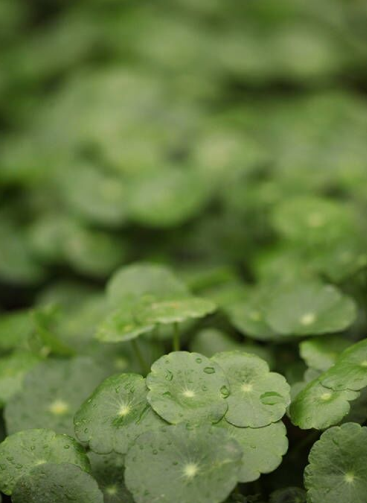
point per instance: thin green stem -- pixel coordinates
(139, 355)
(176, 337)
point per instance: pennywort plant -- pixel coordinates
(191, 425)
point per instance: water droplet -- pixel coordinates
(225, 391)
(271, 398)
(209, 370)
(169, 375)
(199, 360)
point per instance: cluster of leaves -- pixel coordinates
(183, 252)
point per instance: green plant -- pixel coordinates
(183, 251)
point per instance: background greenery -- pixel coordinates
(226, 140)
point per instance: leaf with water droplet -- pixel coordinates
(109, 472)
(316, 309)
(24, 450)
(172, 310)
(257, 397)
(263, 448)
(325, 400)
(199, 464)
(59, 483)
(193, 395)
(337, 469)
(12, 371)
(114, 420)
(51, 394)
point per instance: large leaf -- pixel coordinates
(325, 400)
(263, 448)
(180, 464)
(337, 469)
(59, 483)
(257, 396)
(21, 452)
(115, 414)
(187, 387)
(51, 394)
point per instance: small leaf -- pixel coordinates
(121, 326)
(167, 197)
(130, 283)
(210, 341)
(350, 369)
(313, 220)
(249, 315)
(321, 353)
(324, 401)
(153, 311)
(319, 407)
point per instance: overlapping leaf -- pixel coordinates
(21, 452)
(51, 394)
(188, 387)
(59, 483)
(257, 396)
(175, 463)
(115, 414)
(337, 469)
(325, 400)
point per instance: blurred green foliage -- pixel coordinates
(225, 140)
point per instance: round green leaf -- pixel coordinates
(321, 353)
(18, 265)
(130, 283)
(115, 414)
(179, 464)
(21, 452)
(248, 316)
(15, 328)
(102, 199)
(257, 397)
(109, 472)
(51, 394)
(121, 326)
(167, 197)
(316, 309)
(59, 483)
(210, 341)
(313, 220)
(350, 369)
(153, 311)
(187, 387)
(337, 469)
(12, 371)
(263, 448)
(324, 401)
(319, 407)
